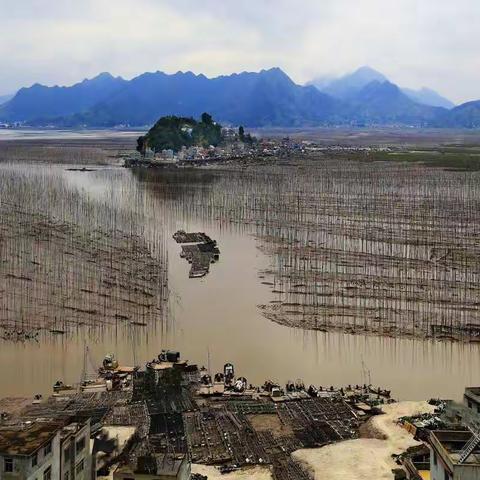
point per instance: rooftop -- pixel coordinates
(449, 443)
(73, 428)
(473, 392)
(25, 439)
(154, 465)
(166, 365)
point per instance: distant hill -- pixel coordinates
(466, 115)
(385, 103)
(5, 98)
(426, 96)
(40, 101)
(254, 99)
(349, 85)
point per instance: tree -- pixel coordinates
(173, 133)
(207, 119)
(241, 133)
(141, 146)
(249, 139)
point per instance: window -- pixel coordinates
(80, 445)
(35, 459)
(434, 458)
(79, 467)
(447, 476)
(47, 449)
(66, 454)
(8, 465)
(66, 475)
(47, 474)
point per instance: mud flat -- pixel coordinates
(386, 248)
(67, 262)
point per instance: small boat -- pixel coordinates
(60, 387)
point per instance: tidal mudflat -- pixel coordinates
(323, 267)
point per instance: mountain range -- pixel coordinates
(254, 99)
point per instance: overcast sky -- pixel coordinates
(416, 43)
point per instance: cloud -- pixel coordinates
(432, 42)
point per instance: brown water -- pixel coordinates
(219, 314)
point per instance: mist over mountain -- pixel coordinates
(253, 99)
(426, 96)
(385, 103)
(349, 85)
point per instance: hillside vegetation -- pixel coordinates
(175, 132)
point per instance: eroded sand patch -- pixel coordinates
(365, 458)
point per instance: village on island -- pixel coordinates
(177, 141)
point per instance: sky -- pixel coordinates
(415, 43)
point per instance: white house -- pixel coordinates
(30, 451)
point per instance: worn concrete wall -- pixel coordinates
(23, 469)
(437, 471)
(467, 472)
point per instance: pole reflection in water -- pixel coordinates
(220, 312)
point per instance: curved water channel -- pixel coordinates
(218, 315)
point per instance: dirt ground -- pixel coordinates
(365, 458)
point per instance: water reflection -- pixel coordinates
(219, 313)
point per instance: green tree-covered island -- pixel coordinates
(173, 133)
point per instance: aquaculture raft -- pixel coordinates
(199, 250)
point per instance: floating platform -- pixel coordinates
(199, 250)
(198, 237)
